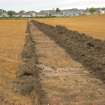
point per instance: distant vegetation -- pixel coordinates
(57, 12)
(92, 10)
(11, 13)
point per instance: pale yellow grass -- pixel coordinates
(12, 35)
(91, 25)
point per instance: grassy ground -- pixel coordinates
(92, 25)
(12, 35)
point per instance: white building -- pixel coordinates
(101, 12)
(26, 14)
(71, 12)
(3, 13)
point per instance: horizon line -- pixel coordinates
(50, 8)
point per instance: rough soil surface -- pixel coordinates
(65, 80)
(88, 51)
(56, 67)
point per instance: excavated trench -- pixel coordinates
(88, 51)
(28, 79)
(56, 64)
(65, 80)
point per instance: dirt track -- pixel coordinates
(61, 89)
(88, 51)
(51, 73)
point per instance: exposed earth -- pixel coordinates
(54, 66)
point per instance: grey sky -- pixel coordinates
(49, 4)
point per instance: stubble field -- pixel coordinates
(91, 25)
(12, 35)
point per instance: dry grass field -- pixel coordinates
(92, 25)
(12, 35)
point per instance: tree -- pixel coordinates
(11, 13)
(1, 12)
(92, 10)
(58, 10)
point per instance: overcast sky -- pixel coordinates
(49, 4)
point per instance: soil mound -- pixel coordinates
(28, 80)
(88, 51)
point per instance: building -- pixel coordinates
(3, 13)
(33, 13)
(87, 12)
(43, 13)
(26, 14)
(72, 12)
(101, 11)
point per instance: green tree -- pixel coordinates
(11, 13)
(92, 10)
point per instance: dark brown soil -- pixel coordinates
(28, 79)
(88, 51)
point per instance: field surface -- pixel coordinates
(45, 64)
(12, 36)
(64, 80)
(91, 25)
